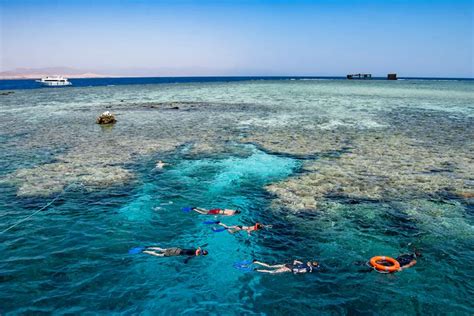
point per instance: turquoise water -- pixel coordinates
(297, 155)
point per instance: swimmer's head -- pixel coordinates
(201, 252)
(259, 226)
(313, 264)
(237, 212)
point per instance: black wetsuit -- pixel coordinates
(188, 252)
(171, 252)
(299, 268)
(406, 259)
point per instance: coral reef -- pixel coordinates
(388, 168)
(367, 141)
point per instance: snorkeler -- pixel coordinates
(160, 165)
(237, 228)
(297, 267)
(216, 211)
(174, 251)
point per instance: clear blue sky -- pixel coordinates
(411, 38)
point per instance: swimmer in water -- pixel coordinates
(249, 229)
(175, 251)
(216, 211)
(160, 164)
(297, 267)
(405, 260)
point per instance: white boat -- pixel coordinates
(54, 81)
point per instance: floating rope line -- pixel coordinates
(41, 209)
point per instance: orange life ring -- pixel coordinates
(393, 268)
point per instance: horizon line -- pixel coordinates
(242, 76)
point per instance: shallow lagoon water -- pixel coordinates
(262, 147)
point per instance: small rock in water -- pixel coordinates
(106, 118)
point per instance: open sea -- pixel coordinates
(343, 170)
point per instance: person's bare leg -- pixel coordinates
(154, 253)
(411, 264)
(200, 210)
(224, 225)
(156, 248)
(267, 271)
(268, 265)
(233, 229)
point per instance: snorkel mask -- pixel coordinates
(201, 252)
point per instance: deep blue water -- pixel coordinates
(94, 82)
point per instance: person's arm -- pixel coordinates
(411, 264)
(297, 262)
(154, 253)
(225, 226)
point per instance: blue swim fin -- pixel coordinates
(218, 229)
(187, 209)
(211, 222)
(245, 266)
(136, 250)
(244, 262)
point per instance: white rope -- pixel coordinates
(41, 209)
